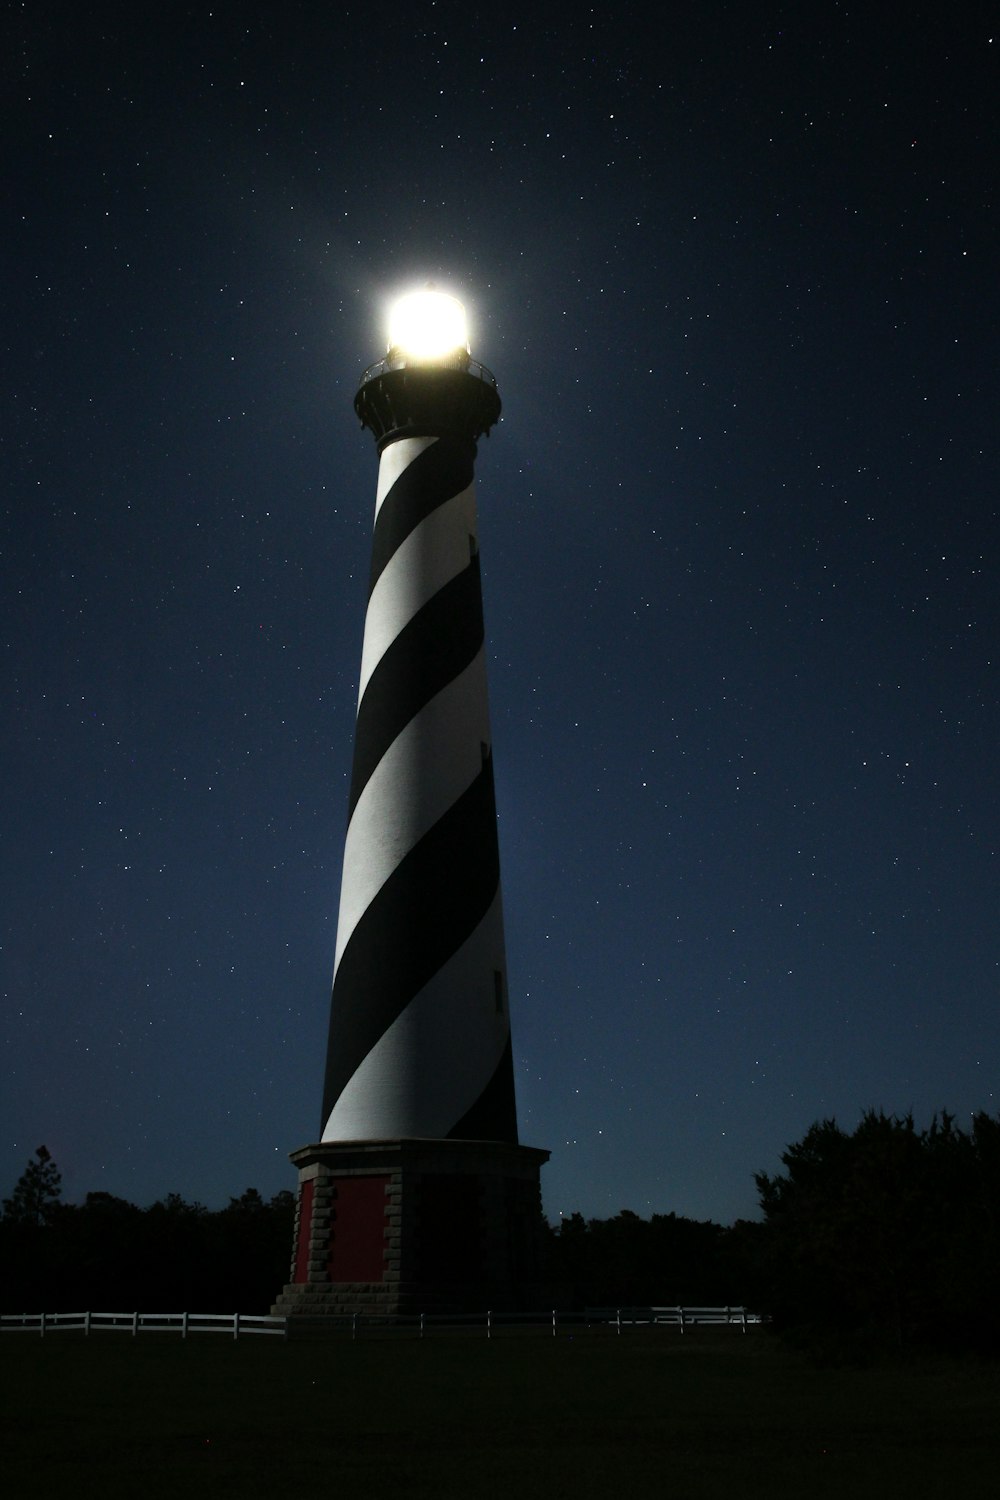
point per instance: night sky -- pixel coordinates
(735, 269)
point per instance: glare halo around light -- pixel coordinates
(428, 325)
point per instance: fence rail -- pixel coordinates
(490, 1323)
(692, 1317)
(486, 1323)
(236, 1325)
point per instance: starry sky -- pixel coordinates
(735, 269)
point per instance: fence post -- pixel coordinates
(743, 1318)
(421, 1325)
(681, 1311)
(135, 1324)
(86, 1325)
(618, 1320)
(184, 1325)
(236, 1325)
(489, 1324)
(41, 1327)
(553, 1322)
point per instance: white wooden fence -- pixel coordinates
(676, 1317)
(233, 1324)
(236, 1325)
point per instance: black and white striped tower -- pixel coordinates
(419, 1032)
(418, 1184)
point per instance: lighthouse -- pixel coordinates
(417, 1196)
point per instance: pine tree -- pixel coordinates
(35, 1199)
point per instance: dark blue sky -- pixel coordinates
(736, 272)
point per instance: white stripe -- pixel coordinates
(430, 1067)
(422, 774)
(432, 555)
(395, 459)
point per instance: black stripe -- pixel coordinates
(493, 1117)
(435, 476)
(431, 903)
(429, 652)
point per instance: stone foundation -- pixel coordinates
(400, 1227)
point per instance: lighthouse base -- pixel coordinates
(398, 1228)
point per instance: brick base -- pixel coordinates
(432, 1226)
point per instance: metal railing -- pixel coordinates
(458, 361)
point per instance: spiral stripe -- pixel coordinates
(431, 904)
(409, 795)
(419, 1039)
(449, 1032)
(438, 643)
(424, 562)
(439, 470)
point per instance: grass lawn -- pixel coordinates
(710, 1413)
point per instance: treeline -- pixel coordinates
(106, 1254)
(885, 1238)
(881, 1239)
(667, 1260)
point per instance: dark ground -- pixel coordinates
(711, 1413)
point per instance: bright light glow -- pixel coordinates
(428, 325)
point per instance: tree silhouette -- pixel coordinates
(628, 1261)
(35, 1199)
(885, 1237)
